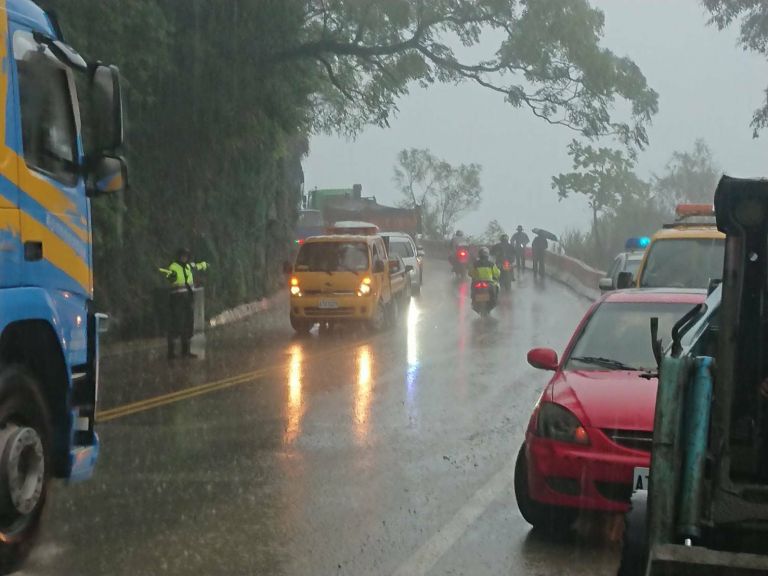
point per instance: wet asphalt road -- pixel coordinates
(341, 453)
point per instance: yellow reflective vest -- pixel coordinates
(180, 275)
(488, 272)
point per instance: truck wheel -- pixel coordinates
(378, 321)
(24, 464)
(634, 548)
(553, 520)
(300, 325)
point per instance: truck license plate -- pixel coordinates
(640, 481)
(328, 304)
(482, 298)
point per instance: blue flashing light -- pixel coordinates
(637, 243)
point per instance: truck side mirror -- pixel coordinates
(420, 251)
(107, 109)
(108, 174)
(605, 284)
(378, 267)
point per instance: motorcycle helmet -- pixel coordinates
(484, 254)
(504, 238)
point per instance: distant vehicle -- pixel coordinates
(686, 254)
(353, 227)
(593, 423)
(402, 245)
(338, 205)
(345, 277)
(310, 223)
(627, 262)
(460, 262)
(505, 267)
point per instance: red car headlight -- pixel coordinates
(558, 423)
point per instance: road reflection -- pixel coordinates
(364, 362)
(294, 409)
(414, 364)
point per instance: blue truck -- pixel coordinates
(61, 128)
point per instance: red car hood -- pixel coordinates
(607, 399)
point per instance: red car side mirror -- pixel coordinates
(543, 358)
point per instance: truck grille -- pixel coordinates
(329, 312)
(634, 439)
(329, 293)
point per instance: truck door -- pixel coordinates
(54, 213)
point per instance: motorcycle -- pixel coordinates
(483, 297)
(506, 274)
(460, 262)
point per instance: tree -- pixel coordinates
(493, 232)
(604, 175)
(548, 60)
(753, 15)
(416, 175)
(459, 192)
(688, 177)
(443, 192)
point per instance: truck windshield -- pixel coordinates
(333, 257)
(683, 263)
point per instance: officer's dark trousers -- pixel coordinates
(180, 321)
(538, 265)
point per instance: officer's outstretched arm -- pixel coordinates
(201, 265)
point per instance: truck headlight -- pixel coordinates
(295, 288)
(558, 423)
(365, 287)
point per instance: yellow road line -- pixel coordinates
(200, 389)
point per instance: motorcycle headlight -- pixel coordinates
(558, 423)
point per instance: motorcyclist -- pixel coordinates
(503, 250)
(458, 240)
(520, 240)
(483, 269)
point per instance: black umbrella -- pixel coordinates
(547, 234)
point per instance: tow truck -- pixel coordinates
(702, 508)
(49, 347)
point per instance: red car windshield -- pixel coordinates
(618, 335)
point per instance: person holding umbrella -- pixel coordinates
(539, 248)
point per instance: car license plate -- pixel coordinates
(482, 298)
(328, 304)
(640, 481)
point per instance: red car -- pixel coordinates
(593, 424)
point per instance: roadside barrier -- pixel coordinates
(578, 276)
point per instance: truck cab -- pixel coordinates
(347, 277)
(687, 253)
(48, 325)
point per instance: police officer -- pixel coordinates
(181, 301)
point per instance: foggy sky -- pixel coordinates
(708, 87)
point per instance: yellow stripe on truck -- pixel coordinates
(57, 251)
